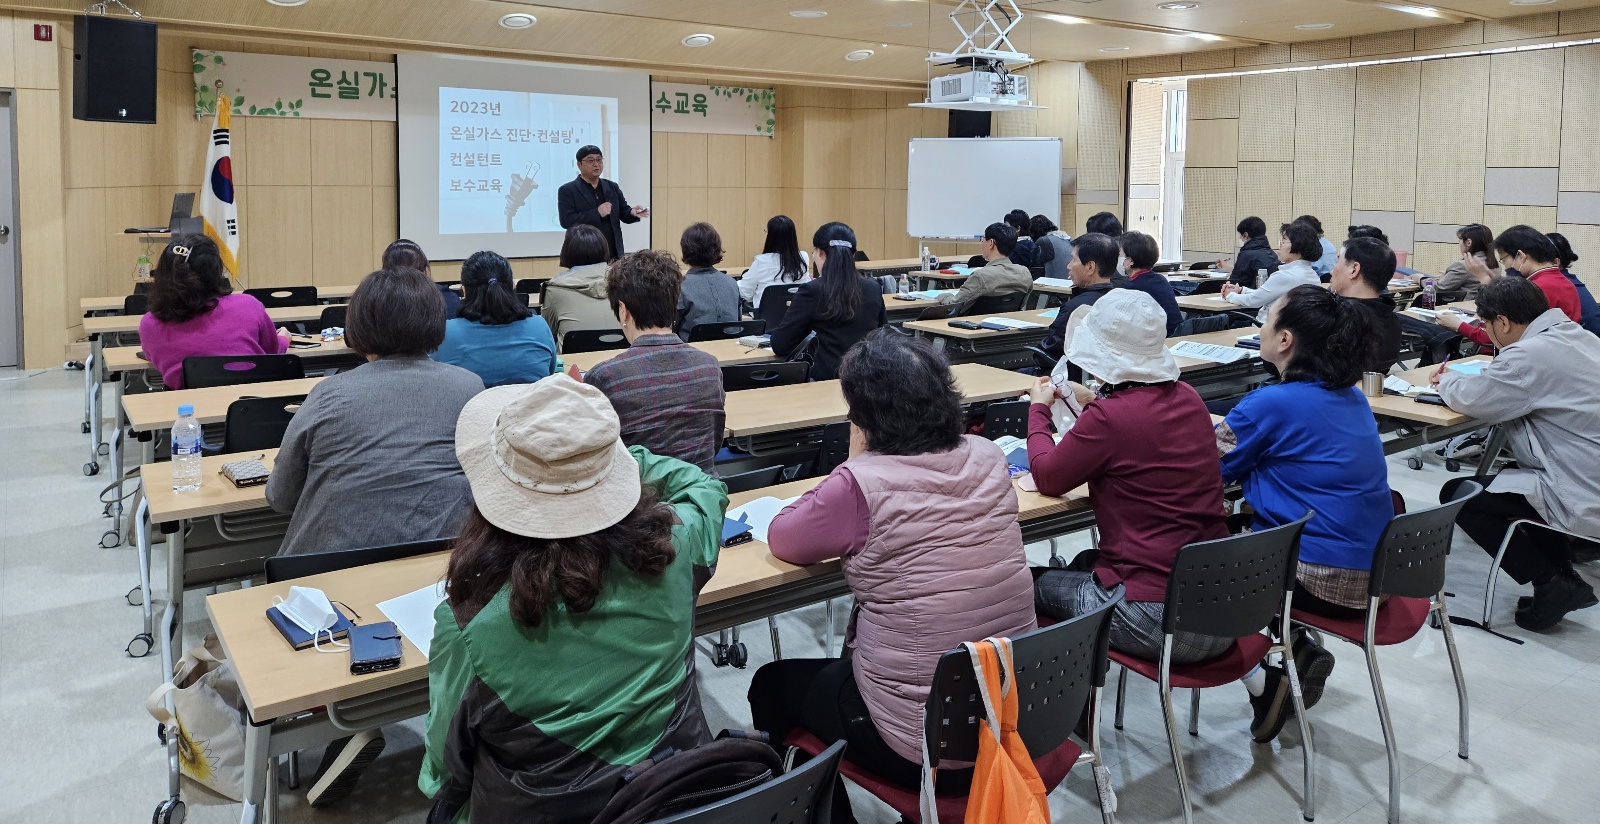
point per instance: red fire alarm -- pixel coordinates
(44, 32)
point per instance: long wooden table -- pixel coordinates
(727, 353)
(809, 405)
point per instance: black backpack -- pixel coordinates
(675, 781)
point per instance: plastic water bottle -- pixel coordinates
(1261, 277)
(902, 284)
(926, 258)
(1430, 294)
(185, 451)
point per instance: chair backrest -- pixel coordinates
(285, 295)
(530, 286)
(949, 310)
(1006, 418)
(592, 340)
(1163, 268)
(861, 257)
(775, 300)
(726, 331)
(200, 371)
(996, 304)
(1201, 324)
(258, 423)
(1232, 587)
(976, 261)
(136, 304)
(332, 316)
(757, 375)
(835, 448)
(754, 479)
(1057, 669)
(289, 567)
(1036, 272)
(1409, 561)
(803, 795)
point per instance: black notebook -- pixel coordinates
(299, 638)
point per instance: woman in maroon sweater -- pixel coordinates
(1143, 443)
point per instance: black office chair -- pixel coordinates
(758, 375)
(136, 304)
(331, 317)
(1006, 418)
(1202, 265)
(754, 479)
(945, 311)
(998, 304)
(201, 371)
(1036, 272)
(592, 340)
(775, 300)
(726, 331)
(976, 261)
(275, 296)
(861, 257)
(803, 795)
(530, 286)
(1208, 287)
(290, 567)
(1164, 268)
(835, 447)
(1201, 324)
(255, 424)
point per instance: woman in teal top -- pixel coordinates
(562, 652)
(496, 336)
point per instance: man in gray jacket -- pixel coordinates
(998, 276)
(1542, 387)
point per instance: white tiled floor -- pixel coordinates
(77, 746)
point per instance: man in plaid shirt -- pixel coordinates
(667, 393)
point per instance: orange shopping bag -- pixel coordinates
(1006, 788)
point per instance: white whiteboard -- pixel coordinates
(957, 186)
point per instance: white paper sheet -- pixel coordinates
(760, 512)
(1012, 323)
(1211, 352)
(412, 613)
(1060, 283)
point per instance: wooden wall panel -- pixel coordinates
(341, 239)
(1265, 55)
(1543, 218)
(41, 230)
(1208, 60)
(1213, 98)
(1266, 117)
(1533, 79)
(1580, 121)
(1100, 142)
(1155, 64)
(1452, 133)
(8, 71)
(1433, 258)
(1324, 144)
(1469, 33)
(280, 252)
(333, 161)
(1209, 202)
(1145, 145)
(725, 160)
(1391, 42)
(1212, 144)
(1580, 20)
(1386, 137)
(1319, 50)
(1520, 28)
(1266, 190)
(725, 210)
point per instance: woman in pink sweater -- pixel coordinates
(925, 522)
(193, 311)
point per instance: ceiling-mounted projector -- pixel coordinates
(986, 53)
(979, 86)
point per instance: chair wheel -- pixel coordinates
(161, 733)
(1414, 463)
(111, 539)
(1452, 465)
(91, 469)
(84, 427)
(103, 449)
(719, 655)
(141, 645)
(738, 656)
(1058, 562)
(170, 811)
(134, 601)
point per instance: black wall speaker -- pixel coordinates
(969, 124)
(113, 69)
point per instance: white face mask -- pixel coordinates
(309, 609)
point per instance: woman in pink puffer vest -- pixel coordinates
(925, 520)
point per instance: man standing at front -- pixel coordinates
(594, 201)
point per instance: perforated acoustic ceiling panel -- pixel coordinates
(1100, 100)
(1208, 205)
(1453, 122)
(1211, 98)
(1533, 80)
(1323, 144)
(1266, 190)
(1386, 137)
(1266, 117)
(1580, 122)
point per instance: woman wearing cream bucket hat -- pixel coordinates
(563, 645)
(1144, 446)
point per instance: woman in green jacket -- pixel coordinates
(562, 652)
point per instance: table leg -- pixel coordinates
(257, 758)
(88, 376)
(175, 541)
(92, 385)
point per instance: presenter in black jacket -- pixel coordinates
(594, 201)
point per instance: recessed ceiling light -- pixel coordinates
(899, 24)
(1531, 2)
(883, 45)
(1314, 26)
(1420, 11)
(695, 41)
(518, 21)
(288, 2)
(1177, 6)
(1113, 48)
(808, 14)
(859, 54)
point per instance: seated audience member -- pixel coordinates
(562, 653)
(1092, 264)
(1542, 387)
(1296, 249)
(1587, 306)
(780, 261)
(1323, 265)
(1310, 444)
(1255, 255)
(1026, 252)
(1362, 274)
(1152, 496)
(667, 393)
(369, 460)
(708, 295)
(1365, 230)
(999, 275)
(1141, 252)
(1456, 283)
(841, 306)
(576, 298)
(1532, 255)
(924, 519)
(496, 337)
(1103, 223)
(1055, 246)
(406, 254)
(193, 312)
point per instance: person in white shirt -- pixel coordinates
(1299, 245)
(780, 261)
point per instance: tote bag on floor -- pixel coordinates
(210, 718)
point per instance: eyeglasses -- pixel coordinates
(592, 159)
